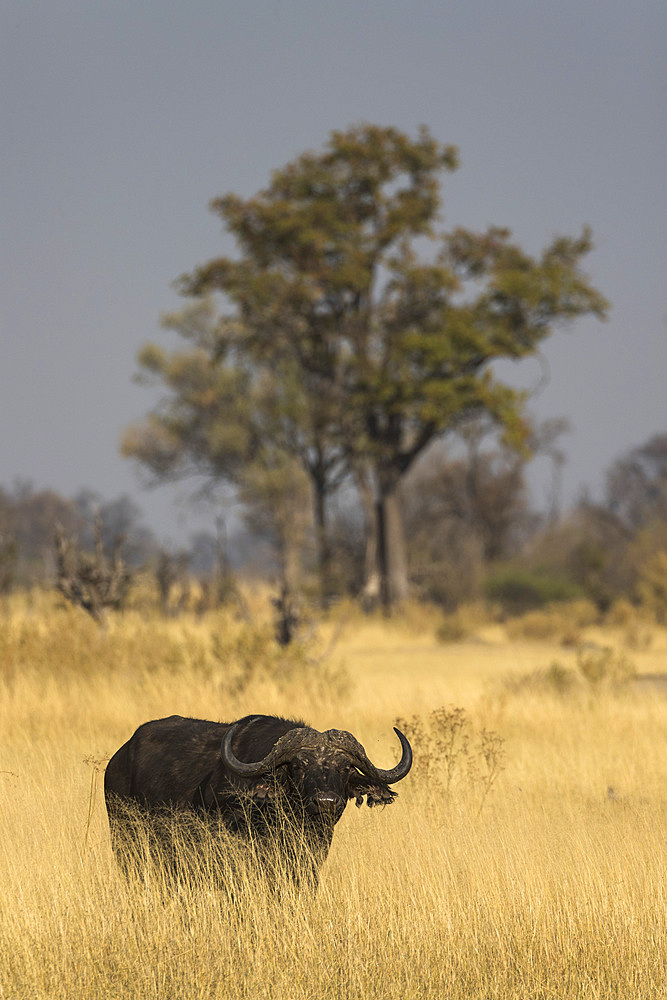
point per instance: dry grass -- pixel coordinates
(556, 887)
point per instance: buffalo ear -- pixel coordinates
(377, 793)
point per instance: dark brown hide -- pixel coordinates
(290, 798)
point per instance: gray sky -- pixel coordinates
(121, 120)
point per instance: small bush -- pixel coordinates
(622, 614)
(520, 590)
(464, 622)
(557, 679)
(453, 629)
(602, 665)
(634, 622)
(597, 667)
(449, 752)
(562, 621)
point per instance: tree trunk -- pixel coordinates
(323, 543)
(391, 555)
(370, 591)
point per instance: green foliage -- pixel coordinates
(613, 549)
(518, 590)
(344, 349)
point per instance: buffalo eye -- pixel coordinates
(297, 770)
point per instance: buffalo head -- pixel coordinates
(320, 770)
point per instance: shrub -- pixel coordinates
(597, 667)
(465, 622)
(452, 629)
(557, 678)
(635, 623)
(449, 752)
(519, 590)
(563, 621)
(602, 665)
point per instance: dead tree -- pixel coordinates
(287, 615)
(90, 580)
(219, 587)
(171, 575)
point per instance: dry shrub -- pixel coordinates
(252, 652)
(562, 621)
(454, 628)
(62, 642)
(462, 623)
(603, 666)
(622, 614)
(598, 668)
(450, 753)
(539, 625)
(416, 616)
(638, 637)
(635, 623)
(555, 679)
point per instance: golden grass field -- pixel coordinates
(534, 882)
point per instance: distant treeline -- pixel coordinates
(30, 518)
(471, 533)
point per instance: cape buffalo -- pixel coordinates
(274, 784)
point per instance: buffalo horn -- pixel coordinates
(393, 774)
(280, 752)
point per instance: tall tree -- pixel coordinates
(389, 350)
(396, 348)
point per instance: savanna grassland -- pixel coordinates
(526, 854)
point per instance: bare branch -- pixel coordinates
(87, 580)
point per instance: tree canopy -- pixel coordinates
(353, 332)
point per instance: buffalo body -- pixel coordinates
(274, 785)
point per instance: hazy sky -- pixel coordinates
(121, 119)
